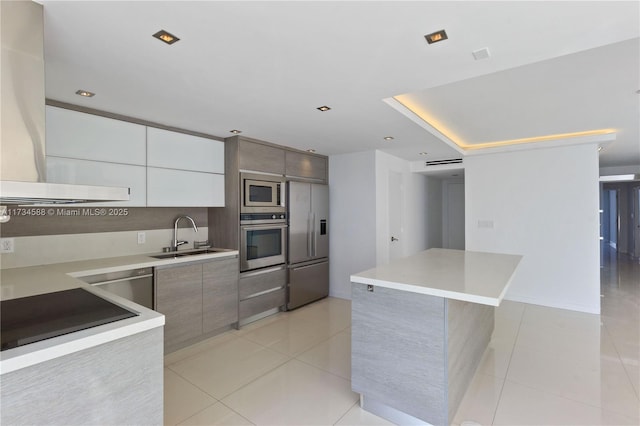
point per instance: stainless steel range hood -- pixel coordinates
(22, 143)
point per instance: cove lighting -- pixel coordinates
(619, 178)
(431, 121)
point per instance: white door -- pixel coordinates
(453, 215)
(396, 194)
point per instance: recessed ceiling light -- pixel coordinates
(166, 37)
(236, 132)
(422, 153)
(85, 93)
(388, 138)
(323, 108)
(436, 37)
(311, 150)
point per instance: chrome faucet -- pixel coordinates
(176, 243)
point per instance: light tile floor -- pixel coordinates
(544, 366)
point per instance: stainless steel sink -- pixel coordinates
(177, 254)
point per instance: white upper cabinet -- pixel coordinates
(174, 150)
(100, 173)
(73, 134)
(183, 188)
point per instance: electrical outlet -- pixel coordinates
(142, 238)
(487, 223)
(6, 245)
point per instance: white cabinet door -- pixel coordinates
(85, 172)
(168, 187)
(75, 134)
(186, 152)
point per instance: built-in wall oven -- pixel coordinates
(262, 193)
(263, 240)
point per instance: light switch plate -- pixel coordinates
(142, 238)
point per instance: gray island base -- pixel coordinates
(415, 344)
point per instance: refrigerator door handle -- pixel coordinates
(309, 236)
(315, 237)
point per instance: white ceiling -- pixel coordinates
(263, 67)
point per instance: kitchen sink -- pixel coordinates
(177, 254)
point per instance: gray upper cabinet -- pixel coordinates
(253, 156)
(307, 166)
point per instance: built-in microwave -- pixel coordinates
(261, 193)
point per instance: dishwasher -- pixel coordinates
(135, 284)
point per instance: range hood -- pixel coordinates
(22, 143)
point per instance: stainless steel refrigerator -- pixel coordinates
(308, 251)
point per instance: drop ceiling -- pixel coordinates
(264, 67)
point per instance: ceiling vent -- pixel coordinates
(443, 162)
(481, 54)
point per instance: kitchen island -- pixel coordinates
(106, 374)
(420, 326)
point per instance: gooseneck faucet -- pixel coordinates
(176, 243)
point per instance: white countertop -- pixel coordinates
(455, 274)
(34, 280)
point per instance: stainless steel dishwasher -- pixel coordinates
(135, 284)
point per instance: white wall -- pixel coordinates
(434, 212)
(359, 214)
(352, 243)
(544, 205)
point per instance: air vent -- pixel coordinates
(442, 162)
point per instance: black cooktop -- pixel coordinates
(31, 319)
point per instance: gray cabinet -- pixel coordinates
(259, 157)
(197, 299)
(415, 353)
(261, 291)
(178, 292)
(308, 166)
(219, 294)
(115, 383)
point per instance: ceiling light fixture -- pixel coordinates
(388, 138)
(311, 150)
(422, 153)
(166, 37)
(236, 132)
(85, 93)
(436, 37)
(323, 108)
